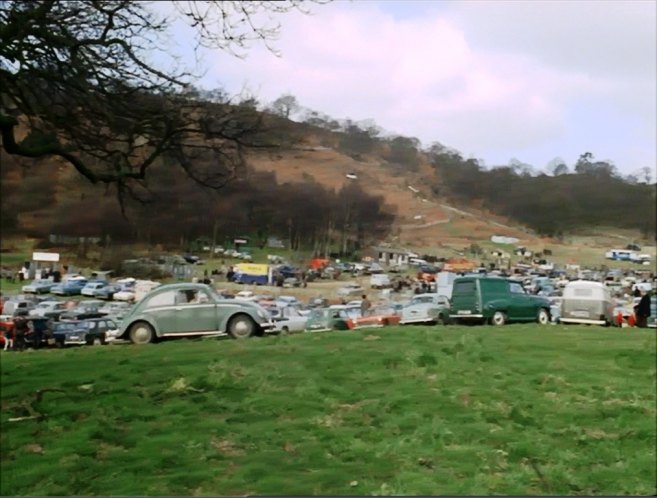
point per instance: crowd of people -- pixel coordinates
(22, 332)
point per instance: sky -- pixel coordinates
(525, 80)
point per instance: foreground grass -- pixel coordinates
(414, 411)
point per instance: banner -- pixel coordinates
(252, 268)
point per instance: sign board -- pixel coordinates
(240, 241)
(252, 269)
(46, 256)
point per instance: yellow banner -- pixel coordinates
(252, 269)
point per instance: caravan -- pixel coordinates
(587, 302)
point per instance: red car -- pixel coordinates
(377, 317)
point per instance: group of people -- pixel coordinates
(21, 332)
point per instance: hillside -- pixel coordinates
(429, 214)
(439, 222)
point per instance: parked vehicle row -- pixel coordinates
(43, 332)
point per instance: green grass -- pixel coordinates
(401, 411)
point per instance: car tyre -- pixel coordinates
(241, 326)
(441, 320)
(543, 317)
(498, 318)
(141, 333)
(285, 331)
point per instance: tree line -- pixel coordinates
(305, 214)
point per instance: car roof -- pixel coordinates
(585, 283)
(181, 286)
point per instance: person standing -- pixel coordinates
(365, 306)
(20, 330)
(642, 310)
(9, 338)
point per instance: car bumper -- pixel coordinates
(426, 319)
(268, 327)
(112, 335)
(467, 316)
(70, 341)
(582, 320)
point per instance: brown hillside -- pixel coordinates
(421, 219)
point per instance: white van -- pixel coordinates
(587, 302)
(380, 281)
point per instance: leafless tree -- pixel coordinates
(77, 83)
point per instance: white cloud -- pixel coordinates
(493, 79)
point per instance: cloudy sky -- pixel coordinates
(496, 80)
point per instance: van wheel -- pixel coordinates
(498, 318)
(543, 317)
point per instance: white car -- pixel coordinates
(124, 295)
(47, 307)
(380, 281)
(352, 289)
(426, 308)
(289, 319)
(246, 296)
(283, 301)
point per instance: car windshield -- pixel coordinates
(422, 299)
(320, 313)
(64, 327)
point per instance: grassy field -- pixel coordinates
(401, 411)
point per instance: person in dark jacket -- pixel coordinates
(20, 330)
(642, 310)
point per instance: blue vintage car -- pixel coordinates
(69, 333)
(108, 291)
(69, 288)
(38, 287)
(92, 286)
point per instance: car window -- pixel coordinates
(167, 298)
(192, 296)
(516, 288)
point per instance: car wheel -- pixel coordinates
(97, 341)
(543, 317)
(285, 331)
(241, 326)
(141, 333)
(498, 318)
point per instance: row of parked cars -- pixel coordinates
(121, 290)
(196, 309)
(60, 322)
(192, 309)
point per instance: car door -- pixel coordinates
(161, 309)
(521, 306)
(196, 312)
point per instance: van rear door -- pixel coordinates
(465, 298)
